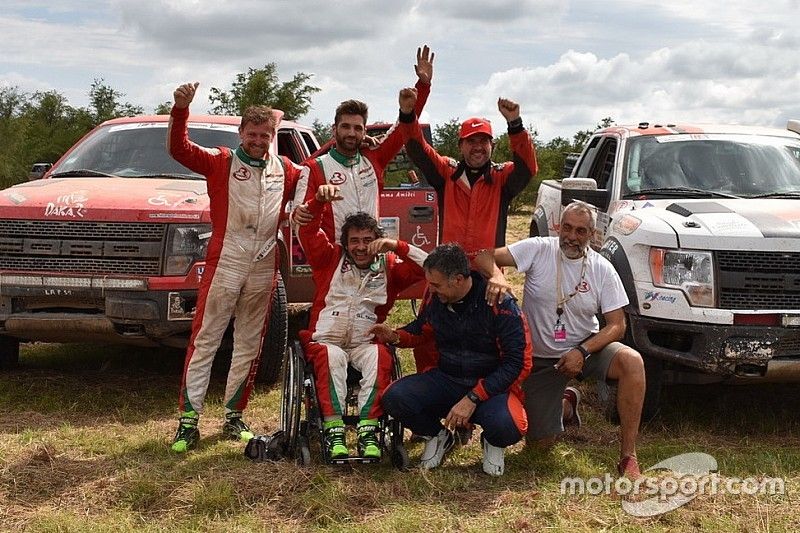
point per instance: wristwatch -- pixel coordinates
(586, 353)
(474, 398)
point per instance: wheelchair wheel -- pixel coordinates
(400, 458)
(393, 442)
(292, 398)
(304, 445)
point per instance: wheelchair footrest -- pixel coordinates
(354, 460)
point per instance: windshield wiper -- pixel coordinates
(782, 194)
(174, 175)
(682, 190)
(82, 172)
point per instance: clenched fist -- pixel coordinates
(508, 108)
(185, 94)
(407, 99)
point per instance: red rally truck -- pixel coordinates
(109, 245)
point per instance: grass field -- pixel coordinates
(84, 433)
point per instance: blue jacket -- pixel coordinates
(486, 347)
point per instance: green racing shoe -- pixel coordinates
(187, 436)
(368, 445)
(235, 428)
(335, 443)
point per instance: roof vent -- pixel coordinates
(644, 125)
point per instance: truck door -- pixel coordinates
(598, 163)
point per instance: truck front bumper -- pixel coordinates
(761, 353)
(145, 318)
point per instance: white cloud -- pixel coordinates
(569, 64)
(696, 81)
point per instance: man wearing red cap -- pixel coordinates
(473, 193)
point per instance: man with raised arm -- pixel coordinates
(357, 172)
(474, 192)
(248, 188)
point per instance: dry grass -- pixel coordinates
(84, 435)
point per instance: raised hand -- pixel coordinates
(424, 66)
(407, 99)
(184, 94)
(508, 108)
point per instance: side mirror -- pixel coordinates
(585, 190)
(38, 170)
(793, 125)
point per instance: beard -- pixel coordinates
(572, 250)
(347, 144)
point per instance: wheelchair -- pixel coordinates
(301, 418)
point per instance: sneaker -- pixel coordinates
(368, 445)
(436, 448)
(628, 467)
(494, 461)
(573, 396)
(334, 431)
(187, 435)
(235, 428)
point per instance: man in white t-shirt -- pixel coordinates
(566, 285)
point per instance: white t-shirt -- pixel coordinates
(600, 290)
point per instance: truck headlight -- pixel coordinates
(186, 244)
(688, 270)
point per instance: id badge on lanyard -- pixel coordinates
(559, 329)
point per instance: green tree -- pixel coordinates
(163, 108)
(12, 135)
(104, 103)
(445, 138)
(11, 102)
(262, 87)
(322, 131)
(581, 137)
(51, 127)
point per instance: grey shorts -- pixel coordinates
(544, 390)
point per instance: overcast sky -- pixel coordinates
(568, 63)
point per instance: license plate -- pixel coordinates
(790, 321)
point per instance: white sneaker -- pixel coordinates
(436, 448)
(494, 461)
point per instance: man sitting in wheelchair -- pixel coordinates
(357, 283)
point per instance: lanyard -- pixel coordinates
(561, 300)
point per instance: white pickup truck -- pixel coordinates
(703, 225)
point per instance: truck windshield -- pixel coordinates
(139, 150)
(741, 165)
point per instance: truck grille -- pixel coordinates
(759, 280)
(81, 247)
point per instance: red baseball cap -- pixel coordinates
(474, 125)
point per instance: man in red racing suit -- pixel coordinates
(357, 283)
(473, 193)
(247, 188)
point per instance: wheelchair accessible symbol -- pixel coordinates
(419, 238)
